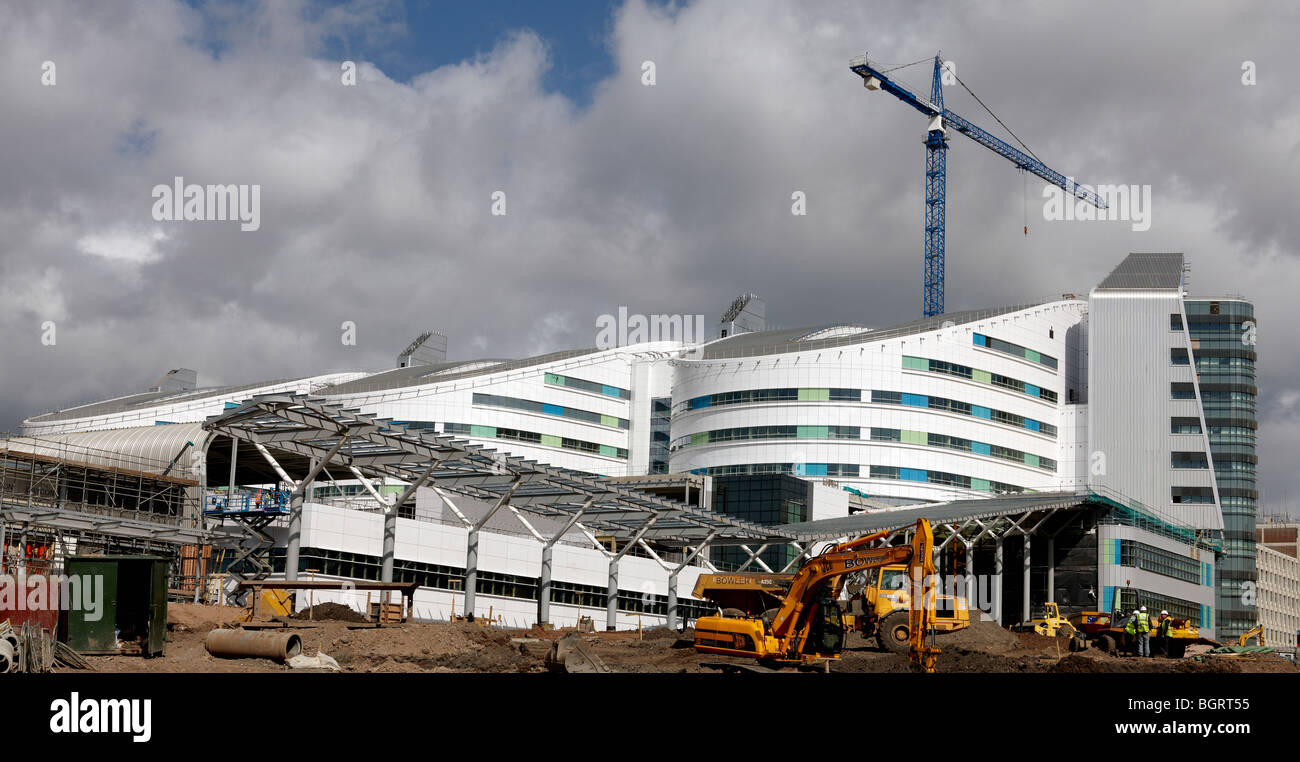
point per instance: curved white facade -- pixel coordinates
(862, 411)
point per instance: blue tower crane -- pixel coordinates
(936, 144)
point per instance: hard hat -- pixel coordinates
(1135, 611)
(1164, 613)
(1144, 608)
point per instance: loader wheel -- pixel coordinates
(1177, 650)
(1107, 644)
(894, 634)
(733, 614)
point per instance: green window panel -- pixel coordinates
(914, 437)
(608, 420)
(814, 395)
(915, 363)
(1031, 459)
(550, 440)
(608, 451)
(489, 432)
(982, 376)
(1032, 355)
(555, 378)
(980, 484)
(699, 438)
(814, 432)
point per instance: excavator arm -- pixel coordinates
(833, 564)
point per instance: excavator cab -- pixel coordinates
(825, 629)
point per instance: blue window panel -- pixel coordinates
(980, 411)
(166, 423)
(552, 409)
(698, 402)
(912, 474)
(611, 391)
(980, 448)
(810, 469)
(1031, 424)
(231, 404)
(1108, 599)
(1031, 390)
(915, 400)
(980, 340)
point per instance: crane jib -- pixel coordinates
(936, 172)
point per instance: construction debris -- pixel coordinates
(321, 662)
(66, 657)
(568, 654)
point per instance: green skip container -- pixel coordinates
(131, 616)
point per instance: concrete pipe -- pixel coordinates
(8, 662)
(280, 646)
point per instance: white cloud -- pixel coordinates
(134, 247)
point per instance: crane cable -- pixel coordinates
(995, 116)
(1023, 174)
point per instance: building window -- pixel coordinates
(1184, 425)
(1006, 347)
(1178, 356)
(1188, 460)
(1201, 495)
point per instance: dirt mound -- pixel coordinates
(187, 617)
(982, 636)
(336, 612)
(1082, 664)
(449, 647)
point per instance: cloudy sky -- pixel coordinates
(376, 199)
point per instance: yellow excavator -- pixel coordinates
(1254, 632)
(807, 625)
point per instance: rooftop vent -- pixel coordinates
(429, 348)
(176, 380)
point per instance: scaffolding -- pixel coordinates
(58, 500)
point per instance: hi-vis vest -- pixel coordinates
(1143, 622)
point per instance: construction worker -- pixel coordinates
(1130, 633)
(1143, 627)
(1162, 632)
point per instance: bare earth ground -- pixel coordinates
(465, 647)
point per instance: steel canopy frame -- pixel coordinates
(304, 434)
(310, 428)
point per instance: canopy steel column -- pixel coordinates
(548, 547)
(1024, 595)
(753, 558)
(611, 594)
(234, 456)
(672, 579)
(1051, 567)
(972, 596)
(390, 524)
(997, 580)
(295, 505)
(471, 547)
